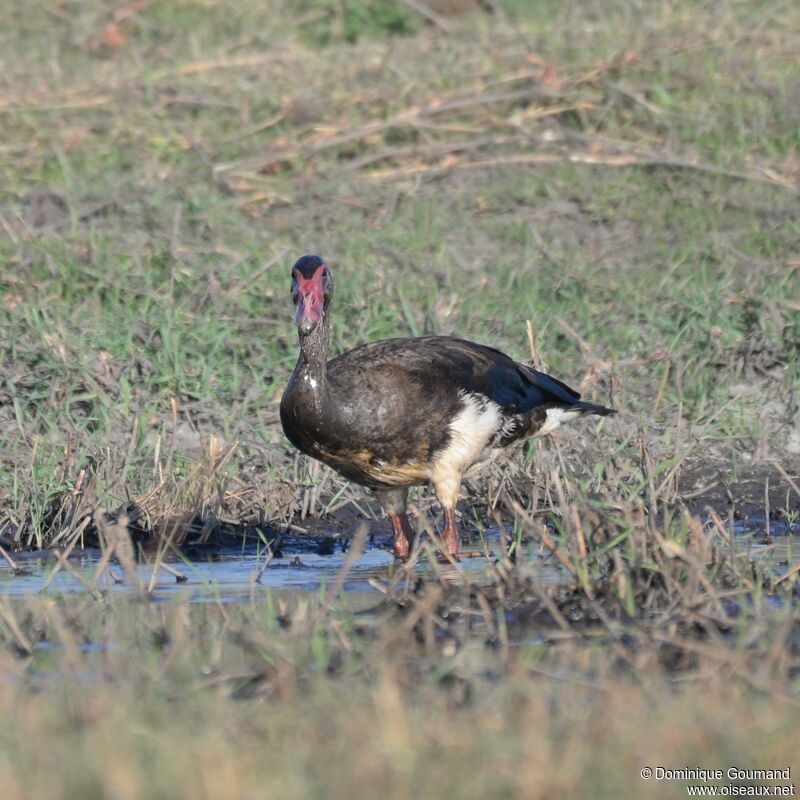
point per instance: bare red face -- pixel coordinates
(311, 295)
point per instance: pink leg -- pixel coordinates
(450, 532)
(403, 535)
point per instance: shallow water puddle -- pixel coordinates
(229, 575)
(781, 552)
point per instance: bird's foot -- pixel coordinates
(452, 540)
(403, 536)
(450, 533)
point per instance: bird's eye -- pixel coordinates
(325, 273)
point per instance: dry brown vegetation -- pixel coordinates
(676, 652)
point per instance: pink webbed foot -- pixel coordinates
(452, 539)
(403, 536)
(450, 532)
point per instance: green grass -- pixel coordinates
(146, 255)
(162, 166)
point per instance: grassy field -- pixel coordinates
(623, 175)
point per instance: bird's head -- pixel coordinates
(312, 290)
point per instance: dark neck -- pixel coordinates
(314, 353)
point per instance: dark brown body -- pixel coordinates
(404, 412)
(384, 411)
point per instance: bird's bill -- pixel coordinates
(310, 302)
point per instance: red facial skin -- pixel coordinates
(310, 299)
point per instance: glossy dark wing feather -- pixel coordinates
(520, 388)
(461, 365)
(515, 387)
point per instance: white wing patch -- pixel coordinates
(557, 417)
(471, 431)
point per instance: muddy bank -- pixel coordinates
(759, 493)
(761, 490)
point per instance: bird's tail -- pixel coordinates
(593, 408)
